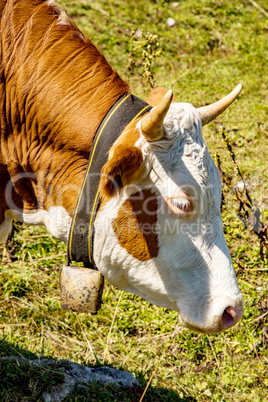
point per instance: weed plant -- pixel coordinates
(213, 46)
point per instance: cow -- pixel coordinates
(158, 230)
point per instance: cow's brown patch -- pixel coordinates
(135, 225)
(122, 169)
(125, 165)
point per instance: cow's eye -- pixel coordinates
(180, 205)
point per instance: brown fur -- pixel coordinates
(122, 169)
(4, 178)
(55, 89)
(138, 237)
(125, 165)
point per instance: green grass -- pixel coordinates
(215, 45)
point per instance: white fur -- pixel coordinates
(193, 272)
(63, 18)
(5, 227)
(56, 220)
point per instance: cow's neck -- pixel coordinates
(56, 95)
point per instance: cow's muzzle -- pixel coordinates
(225, 314)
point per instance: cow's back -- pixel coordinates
(55, 89)
(53, 73)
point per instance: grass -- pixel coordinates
(22, 380)
(213, 46)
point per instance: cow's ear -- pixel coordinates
(124, 167)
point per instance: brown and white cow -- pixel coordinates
(158, 232)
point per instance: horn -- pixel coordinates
(210, 112)
(152, 124)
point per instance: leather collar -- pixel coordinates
(81, 236)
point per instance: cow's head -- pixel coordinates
(159, 232)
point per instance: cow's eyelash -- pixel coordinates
(181, 203)
(180, 206)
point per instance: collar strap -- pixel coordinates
(80, 242)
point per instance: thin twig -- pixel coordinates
(259, 318)
(214, 353)
(100, 10)
(111, 328)
(88, 343)
(259, 7)
(256, 269)
(255, 349)
(49, 257)
(159, 361)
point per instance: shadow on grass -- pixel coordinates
(23, 381)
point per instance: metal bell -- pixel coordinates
(81, 289)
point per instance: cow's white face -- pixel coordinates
(161, 235)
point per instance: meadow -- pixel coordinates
(211, 47)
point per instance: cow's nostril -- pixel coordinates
(229, 317)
